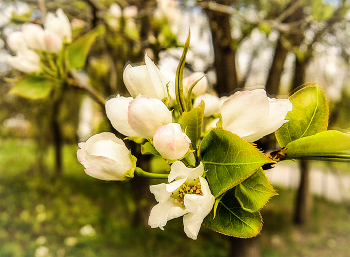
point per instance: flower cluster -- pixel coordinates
(153, 114)
(32, 40)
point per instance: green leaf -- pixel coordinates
(228, 160)
(180, 99)
(321, 11)
(21, 19)
(191, 122)
(232, 220)
(33, 87)
(79, 49)
(327, 145)
(254, 192)
(308, 117)
(148, 148)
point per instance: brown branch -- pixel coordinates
(75, 81)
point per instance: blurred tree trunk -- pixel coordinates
(276, 69)
(57, 136)
(303, 199)
(245, 247)
(224, 50)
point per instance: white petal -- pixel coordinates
(117, 113)
(138, 81)
(160, 192)
(157, 79)
(163, 212)
(34, 36)
(245, 112)
(179, 170)
(199, 207)
(175, 185)
(146, 114)
(278, 111)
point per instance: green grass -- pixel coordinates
(37, 210)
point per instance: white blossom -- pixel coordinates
(105, 157)
(189, 196)
(252, 115)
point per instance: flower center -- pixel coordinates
(189, 187)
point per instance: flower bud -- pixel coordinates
(171, 142)
(59, 25)
(106, 157)
(146, 114)
(117, 113)
(212, 104)
(34, 36)
(26, 61)
(200, 88)
(145, 80)
(16, 41)
(53, 43)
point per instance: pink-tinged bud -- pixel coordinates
(171, 142)
(200, 88)
(53, 43)
(106, 157)
(212, 104)
(34, 36)
(16, 41)
(146, 114)
(145, 80)
(59, 24)
(117, 113)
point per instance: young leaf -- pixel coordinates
(228, 160)
(328, 145)
(254, 192)
(20, 19)
(79, 49)
(180, 99)
(191, 122)
(232, 220)
(33, 87)
(308, 117)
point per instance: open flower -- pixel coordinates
(146, 114)
(106, 157)
(171, 142)
(252, 115)
(145, 80)
(189, 196)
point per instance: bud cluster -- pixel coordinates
(33, 40)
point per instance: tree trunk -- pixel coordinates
(276, 69)
(224, 50)
(303, 200)
(57, 139)
(245, 247)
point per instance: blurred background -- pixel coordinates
(50, 207)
